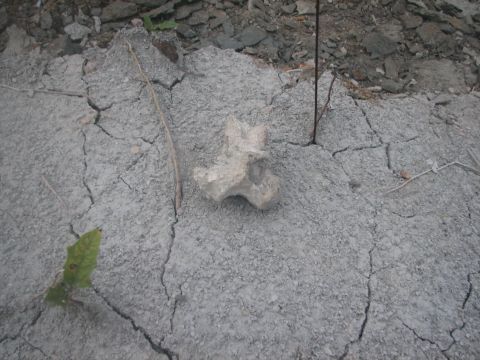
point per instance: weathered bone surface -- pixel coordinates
(240, 168)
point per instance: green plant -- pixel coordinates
(163, 25)
(80, 263)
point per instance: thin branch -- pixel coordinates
(324, 109)
(405, 183)
(59, 198)
(46, 91)
(168, 134)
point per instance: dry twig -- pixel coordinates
(324, 109)
(163, 120)
(405, 183)
(46, 91)
(59, 198)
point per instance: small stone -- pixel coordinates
(252, 35)
(118, 10)
(165, 9)
(399, 7)
(185, 10)
(226, 42)
(136, 22)
(98, 24)
(305, 7)
(96, 11)
(431, 34)
(331, 44)
(89, 67)
(185, 30)
(299, 54)
(379, 45)
(228, 28)
(239, 169)
(410, 21)
(391, 68)
(391, 86)
(76, 31)
(289, 9)
(459, 24)
(46, 20)
(199, 17)
(66, 19)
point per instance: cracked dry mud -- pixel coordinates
(336, 270)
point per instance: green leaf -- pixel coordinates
(82, 260)
(163, 25)
(57, 295)
(147, 23)
(166, 25)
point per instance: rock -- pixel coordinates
(118, 10)
(392, 30)
(185, 30)
(460, 24)
(98, 24)
(46, 20)
(379, 45)
(391, 86)
(199, 17)
(216, 22)
(391, 68)
(76, 31)
(252, 35)
(228, 28)
(429, 14)
(410, 21)
(149, 3)
(399, 7)
(440, 74)
(165, 9)
(184, 11)
(418, 3)
(18, 41)
(226, 42)
(305, 7)
(96, 12)
(299, 54)
(83, 19)
(431, 34)
(289, 9)
(67, 19)
(3, 18)
(239, 169)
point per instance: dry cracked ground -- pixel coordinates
(338, 269)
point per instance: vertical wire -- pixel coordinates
(317, 11)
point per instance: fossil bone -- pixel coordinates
(240, 168)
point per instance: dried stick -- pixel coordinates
(405, 183)
(59, 198)
(168, 134)
(46, 91)
(325, 106)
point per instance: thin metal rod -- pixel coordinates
(315, 120)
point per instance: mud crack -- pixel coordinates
(157, 347)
